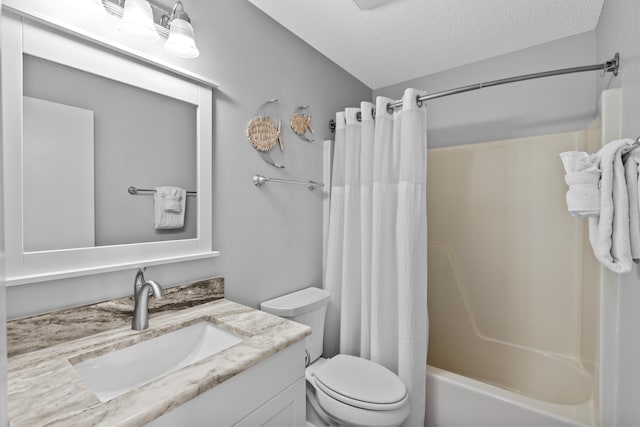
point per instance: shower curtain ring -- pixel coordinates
(419, 101)
(390, 108)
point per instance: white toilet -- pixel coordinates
(344, 390)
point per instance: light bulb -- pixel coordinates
(137, 20)
(181, 40)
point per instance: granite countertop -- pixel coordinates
(45, 389)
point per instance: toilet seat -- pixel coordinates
(345, 414)
(361, 383)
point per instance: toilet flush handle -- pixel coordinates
(307, 358)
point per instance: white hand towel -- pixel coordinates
(583, 177)
(169, 208)
(609, 232)
(632, 174)
(173, 204)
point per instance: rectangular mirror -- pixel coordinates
(82, 125)
(140, 138)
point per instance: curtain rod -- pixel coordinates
(610, 66)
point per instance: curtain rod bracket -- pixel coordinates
(613, 65)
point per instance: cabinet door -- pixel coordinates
(286, 409)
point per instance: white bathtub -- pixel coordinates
(455, 400)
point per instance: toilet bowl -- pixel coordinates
(344, 390)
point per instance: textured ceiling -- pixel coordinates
(405, 39)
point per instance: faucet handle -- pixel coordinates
(138, 281)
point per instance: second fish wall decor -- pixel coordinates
(301, 122)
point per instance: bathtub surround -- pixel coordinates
(376, 267)
(530, 323)
(478, 220)
(45, 389)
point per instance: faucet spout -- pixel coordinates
(155, 288)
(141, 302)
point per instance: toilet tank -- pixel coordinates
(307, 306)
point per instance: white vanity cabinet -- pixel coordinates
(271, 393)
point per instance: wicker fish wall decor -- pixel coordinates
(301, 123)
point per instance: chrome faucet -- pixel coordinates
(141, 288)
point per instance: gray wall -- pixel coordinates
(270, 238)
(618, 30)
(534, 107)
(140, 138)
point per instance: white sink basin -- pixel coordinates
(123, 370)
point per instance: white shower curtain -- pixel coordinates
(376, 262)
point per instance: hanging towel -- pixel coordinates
(170, 203)
(583, 177)
(609, 232)
(632, 174)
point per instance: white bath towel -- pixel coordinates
(583, 177)
(170, 204)
(609, 232)
(632, 174)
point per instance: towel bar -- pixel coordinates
(135, 191)
(258, 180)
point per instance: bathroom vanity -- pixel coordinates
(256, 381)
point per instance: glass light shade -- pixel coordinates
(181, 41)
(137, 20)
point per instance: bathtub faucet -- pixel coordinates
(141, 289)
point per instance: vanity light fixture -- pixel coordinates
(148, 20)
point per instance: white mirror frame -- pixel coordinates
(20, 37)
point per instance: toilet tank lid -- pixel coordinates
(296, 303)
